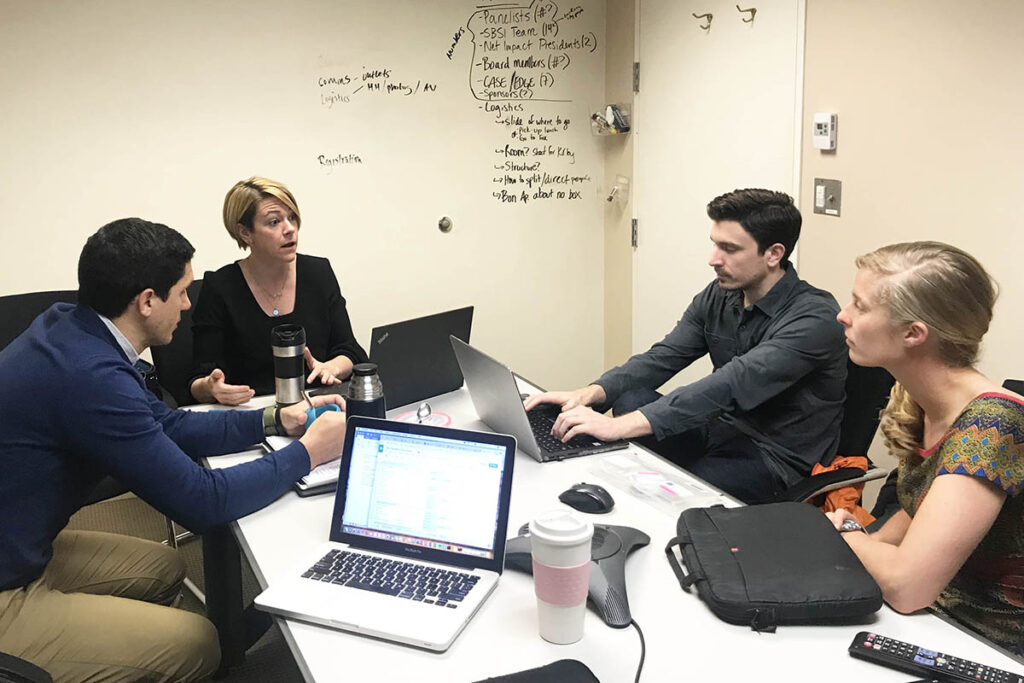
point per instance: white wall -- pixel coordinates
(929, 100)
(115, 108)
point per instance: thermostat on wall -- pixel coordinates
(825, 131)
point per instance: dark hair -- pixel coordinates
(769, 217)
(126, 257)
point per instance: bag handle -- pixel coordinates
(685, 580)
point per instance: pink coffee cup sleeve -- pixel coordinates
(561, 586)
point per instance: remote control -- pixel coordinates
(929, 663)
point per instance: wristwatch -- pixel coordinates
(851, 525)
(272, 422)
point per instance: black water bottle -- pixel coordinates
(365, 392)
(289, 345)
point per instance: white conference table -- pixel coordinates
(685, 641)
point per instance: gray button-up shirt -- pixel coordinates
(779, 371)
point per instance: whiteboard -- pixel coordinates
(382, 117)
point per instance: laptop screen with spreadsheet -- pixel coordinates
(426, 492)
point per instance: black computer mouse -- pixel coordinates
(588, 498)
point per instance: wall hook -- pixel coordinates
(706, 15)
(752, 10)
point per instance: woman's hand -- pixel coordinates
(213, 389)
(323, 371)
(839, 516)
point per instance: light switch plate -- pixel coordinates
(828, 196)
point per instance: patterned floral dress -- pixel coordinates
(986, 441)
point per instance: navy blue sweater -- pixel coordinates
(73, 410)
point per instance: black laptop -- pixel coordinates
(414, 357)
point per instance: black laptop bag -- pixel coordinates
(562, 671)
(763, 565)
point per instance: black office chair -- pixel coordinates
(174, 361)
(17, 311)
(867, 392)
(16, 670)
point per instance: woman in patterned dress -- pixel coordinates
(920, 310)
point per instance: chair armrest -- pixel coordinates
(16, 670)
(826, 481)
(168, 398)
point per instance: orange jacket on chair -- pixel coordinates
(847, 497)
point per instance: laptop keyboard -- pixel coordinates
(429, 585)
(542, 418)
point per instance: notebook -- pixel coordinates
(417, 539)
(495, 395)
(414, 358)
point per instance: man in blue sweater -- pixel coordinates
(90, 605)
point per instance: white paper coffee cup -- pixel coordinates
(560, 545)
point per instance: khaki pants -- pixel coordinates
(91, 617)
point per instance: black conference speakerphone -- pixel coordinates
(935, 666)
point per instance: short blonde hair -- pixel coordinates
(948, 290)
(241, 200)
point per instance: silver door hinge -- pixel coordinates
(636, 76)
(633, 235)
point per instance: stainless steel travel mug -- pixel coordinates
(289, 345)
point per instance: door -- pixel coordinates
(718, 109)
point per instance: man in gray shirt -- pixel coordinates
(772, 407)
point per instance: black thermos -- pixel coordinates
(365, 392)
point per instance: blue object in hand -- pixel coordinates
(314, 413)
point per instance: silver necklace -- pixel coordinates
(273, 297)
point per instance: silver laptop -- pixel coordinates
(417, 537)
(497, 400)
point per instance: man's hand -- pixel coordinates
(325, 437)
(583, 420)
(213, 389)
(587, 396)
(324, 371)
(293, 418)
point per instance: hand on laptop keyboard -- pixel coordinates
(582, 420)
(566, 400)
(542, 419)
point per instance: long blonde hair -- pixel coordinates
(949, 291)
(241, 200)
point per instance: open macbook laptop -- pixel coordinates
(414, 358)
(417, 536)
(497, 401)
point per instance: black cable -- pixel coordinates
(643, 650)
